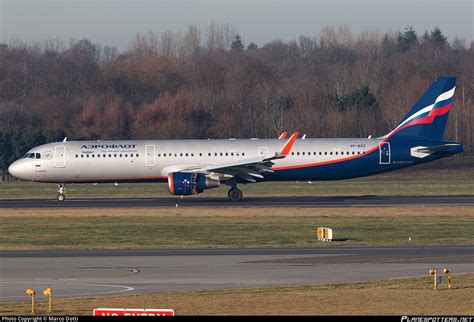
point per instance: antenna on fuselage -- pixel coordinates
(65, 139)
(303, 137)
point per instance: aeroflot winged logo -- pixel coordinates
(108, 146)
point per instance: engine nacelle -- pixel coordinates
(189, 183)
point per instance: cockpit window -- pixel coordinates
(32, 156)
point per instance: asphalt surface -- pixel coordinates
(95, 273)
(310, 201)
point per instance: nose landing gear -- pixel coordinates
(61, 192)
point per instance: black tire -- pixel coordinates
(235, 194)
(61, 197)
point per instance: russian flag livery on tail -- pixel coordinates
(193, 166)
(427, 119)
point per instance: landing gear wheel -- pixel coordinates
(61, 192)
(235, 194)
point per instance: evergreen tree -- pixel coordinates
(437, 38)
(252, 46)
(237, 46)
(407, 39)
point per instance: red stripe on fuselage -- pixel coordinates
(325, 162)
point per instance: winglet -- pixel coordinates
(287, 147)
(282, 136)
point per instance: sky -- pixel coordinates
(116, 22)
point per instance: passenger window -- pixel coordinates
(38, 156)
(126, 155)
(192, 154)
(98, 155)
(303, 153)
(187, 154)
(336, 153)
(82, 155)
(232, 154)
(243, 154)
(87, 155)
(31, 156)
(136, 155)
(93, 155)
(320, 153)
(77, 156)
(226, 154)
(297, 153)
(180, 154)
(325, 153)
(115, 155)
(330, 153)
(292, 153)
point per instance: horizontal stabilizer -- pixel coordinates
(437, 148)
(424, 151)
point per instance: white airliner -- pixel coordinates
(192, 166)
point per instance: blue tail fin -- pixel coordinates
(427, 118)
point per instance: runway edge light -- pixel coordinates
(49, 294)
(31, 293)
(432, 272)
(448, 272)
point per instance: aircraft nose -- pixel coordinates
(14, 169)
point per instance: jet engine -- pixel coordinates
(190, 183)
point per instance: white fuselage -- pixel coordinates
(140, 160)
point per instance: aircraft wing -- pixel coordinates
(251, 168)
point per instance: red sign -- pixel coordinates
(133, 312)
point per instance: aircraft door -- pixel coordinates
(263, 151)
(150, 160)
(384, 152)
(59, 156)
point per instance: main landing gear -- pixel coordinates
(61, 192)
(235, 194)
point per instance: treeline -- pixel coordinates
(212, 84)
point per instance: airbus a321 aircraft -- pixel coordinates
(192, 166)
